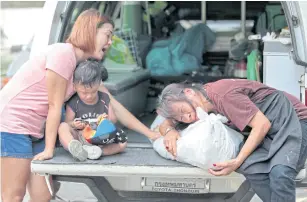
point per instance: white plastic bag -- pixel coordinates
(204, 142)
(158, 144)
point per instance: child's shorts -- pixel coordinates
(116, 137)
(20, 146)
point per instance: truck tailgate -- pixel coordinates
(134, 161)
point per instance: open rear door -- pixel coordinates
(296, 15)
(47, 31)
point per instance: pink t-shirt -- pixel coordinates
(24, 100)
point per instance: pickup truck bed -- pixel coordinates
(138, 158)
(125, 175)
(143, 161)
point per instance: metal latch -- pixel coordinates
(295, 20)
(302, 80)
(62, 16)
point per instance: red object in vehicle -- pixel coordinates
(4, 81)
(306, 96)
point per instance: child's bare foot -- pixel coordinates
(93, 151)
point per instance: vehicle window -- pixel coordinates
(77, 9)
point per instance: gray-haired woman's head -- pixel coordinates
(174, 93)
(89, 73)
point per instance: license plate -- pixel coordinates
(188, 186)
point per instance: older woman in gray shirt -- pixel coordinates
(275, 149)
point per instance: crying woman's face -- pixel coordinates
(184, 112)
(103, 41)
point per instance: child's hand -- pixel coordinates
(102, 116)
(77, 124)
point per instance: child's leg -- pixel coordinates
(119, 145)
(65, 135)
(114, 148)
(120, 142)
(68, 138)
(93, 151)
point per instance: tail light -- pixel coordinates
(306, 96)
(4, 81)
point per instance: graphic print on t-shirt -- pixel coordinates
(89, 113)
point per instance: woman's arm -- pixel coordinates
(167, 129)
(243, 113)
(127, 119)
(111, 114)
(260, 125)
(166, 126)
(56, 88)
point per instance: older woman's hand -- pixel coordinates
(225, 168)
(170, 142)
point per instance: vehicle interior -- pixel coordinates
(143, 25)
(137, 88)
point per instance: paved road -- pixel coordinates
(76, 192)
(72, 192)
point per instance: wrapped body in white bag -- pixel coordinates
(204, 142)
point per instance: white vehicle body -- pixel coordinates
(140, 172)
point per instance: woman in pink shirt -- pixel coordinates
(36, 94)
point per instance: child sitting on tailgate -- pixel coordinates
(86, 108)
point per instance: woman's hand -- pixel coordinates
(102, 116)
(45, 155)
(154, 135)
(225, 168)
(170, 142)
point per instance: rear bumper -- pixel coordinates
(123, 170)
(129, 178)
(104, 191)
(126, 171)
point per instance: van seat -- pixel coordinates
(130, 88)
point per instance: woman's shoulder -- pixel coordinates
(226, 86)
(61, 48)
(60, 58)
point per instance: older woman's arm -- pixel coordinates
(167, 129)
(260, 125)
(56, 87)
(128, 119)
(243, 113)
